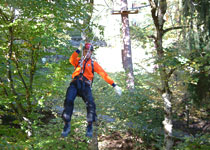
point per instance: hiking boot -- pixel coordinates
(66, 129)
(89, 131)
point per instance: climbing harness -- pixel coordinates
(81, 79)
(83, 58)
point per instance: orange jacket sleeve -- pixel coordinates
(98, 69)
(74, 59)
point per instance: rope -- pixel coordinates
(83, 30)
(108, 5)
(84, 37)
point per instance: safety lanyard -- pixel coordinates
(84, 66)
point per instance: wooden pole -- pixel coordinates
(126, 52)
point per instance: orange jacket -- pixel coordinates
(74, 60)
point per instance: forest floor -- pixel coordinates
(109, 139)
(118, 140)
(126, 141)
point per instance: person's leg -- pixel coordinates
(68, 108)
(91, 109)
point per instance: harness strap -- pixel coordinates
(92, 65)
(85, 66)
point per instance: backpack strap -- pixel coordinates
(92, 64)
(77, 65)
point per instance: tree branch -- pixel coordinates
(152, 37)
(32, 69)
(9, 72)
(178, 27)
(34, 58)
(174, 28)
(152, 4)
(33, 62)
(171, 72)
(7, 95)
(21, 76)
(153, 11)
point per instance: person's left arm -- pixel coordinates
(105, 76)
(98, 69)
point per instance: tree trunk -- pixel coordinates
(93, 145)
(168, 141)
(20, 108)
(186, 109)
(126, 52)
(17, 106)
(158, 11)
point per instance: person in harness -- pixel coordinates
(81, 86)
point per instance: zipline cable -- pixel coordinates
(107, 5)
(84, 37)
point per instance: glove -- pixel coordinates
(118, 90)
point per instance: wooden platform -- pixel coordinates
(117, 12)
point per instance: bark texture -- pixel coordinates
(93, 145)
(126, 52)
(158, 10)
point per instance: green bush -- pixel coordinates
(199, 142)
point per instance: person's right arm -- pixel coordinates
(74, 59)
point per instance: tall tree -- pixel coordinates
(158, 10)
(126, 52)
(197, 45)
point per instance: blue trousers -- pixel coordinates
(83, 91)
